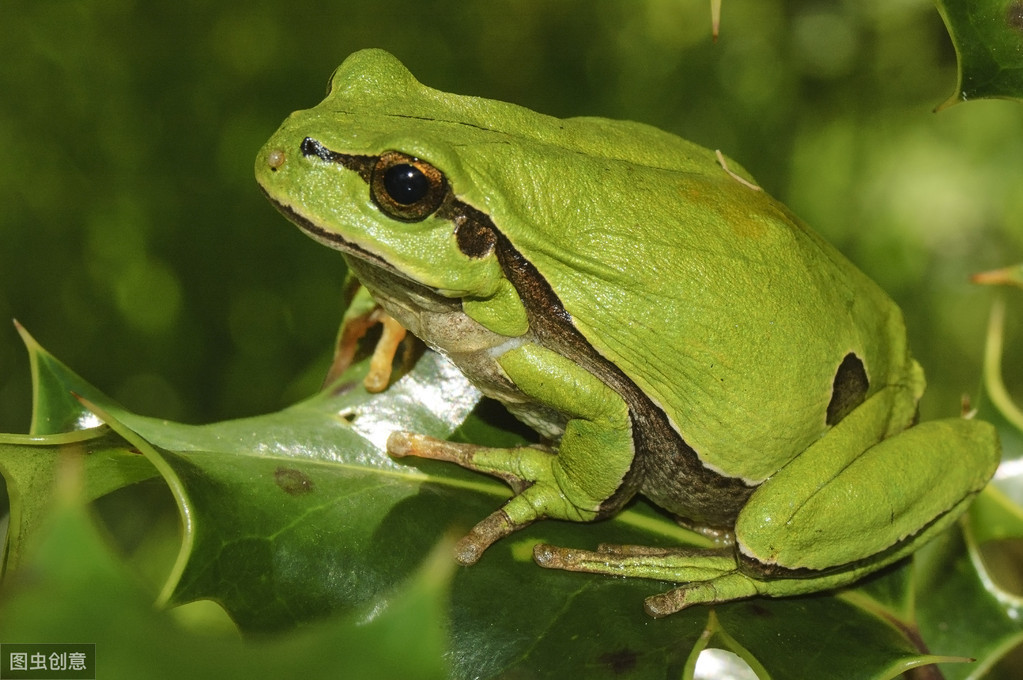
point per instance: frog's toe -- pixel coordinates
(723, 588)
(519, 468)
(470, 547)
(552, 557)
(677, 599)
(572, 559)
(638, 550)
(402, 444)
(664, 604)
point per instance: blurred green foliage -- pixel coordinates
(135, 245)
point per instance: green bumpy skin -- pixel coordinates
(635, 298)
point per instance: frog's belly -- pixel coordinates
(441, 324)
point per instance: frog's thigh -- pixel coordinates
(866, 503)
(596, 450)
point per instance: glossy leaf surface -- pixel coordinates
(295, 518)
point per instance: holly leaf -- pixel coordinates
(988, 39)
(61, 428)
(73, 588)
(973, 573)
(298, 518)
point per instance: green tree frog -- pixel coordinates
(637, 300)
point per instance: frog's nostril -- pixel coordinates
(275, 159)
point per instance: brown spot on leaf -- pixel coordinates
(1014, 15)
(293, 482)
(622, 661)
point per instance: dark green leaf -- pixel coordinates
(72, 588)
(988, 38)
(299, 517)
(30, 466)
(960, 586)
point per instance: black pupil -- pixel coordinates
(406, 183)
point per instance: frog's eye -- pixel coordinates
(405, 187)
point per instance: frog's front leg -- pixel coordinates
(845, 507)
(576, 482)
(362, 313)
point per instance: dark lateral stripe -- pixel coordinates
(360, 164)
(474, 232)
(665, 469)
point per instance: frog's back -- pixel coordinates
(709, 295)
(373, 84)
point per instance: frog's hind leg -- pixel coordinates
(844, 508)
(828, 508)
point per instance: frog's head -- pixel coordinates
(429, 185)
(371, 170)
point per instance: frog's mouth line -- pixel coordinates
(333, 240)
(328, 238)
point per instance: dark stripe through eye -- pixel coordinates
(310, 147)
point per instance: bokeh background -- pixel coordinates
(136, 247)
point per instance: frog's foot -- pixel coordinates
(469, 456)
(541, 489)
(637, 561)
(731, 586)
(708, 575)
